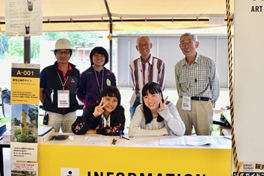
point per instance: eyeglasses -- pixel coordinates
(189, 43)
(141, 45)
(63, 52)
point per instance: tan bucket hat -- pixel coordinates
(63, 44)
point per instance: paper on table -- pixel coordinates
(185, 140)
(172, 140)
(95, 140)
(197, 140)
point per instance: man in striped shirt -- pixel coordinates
(197, 85)
(145, 69)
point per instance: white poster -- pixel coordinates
(23, 17)
(248, 84)
(24, 151)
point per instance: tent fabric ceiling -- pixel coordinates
(81, 15)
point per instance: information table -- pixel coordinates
(139, 156)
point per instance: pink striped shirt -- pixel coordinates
(151, 71)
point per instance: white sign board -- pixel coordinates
(249, 83)
(23, 17)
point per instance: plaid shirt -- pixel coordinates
(198, 79)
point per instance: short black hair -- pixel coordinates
(111, 91)
(99, 50)
(153, 88)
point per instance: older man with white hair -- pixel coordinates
(198, 87)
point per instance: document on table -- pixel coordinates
(185, 140)
(197, 140)
(172, 140)
(95, 140)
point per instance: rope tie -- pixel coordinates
(230, 61)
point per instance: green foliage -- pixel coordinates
(26, 138)
(3, 45)
(12, 47)
(5, 119)
(77, 39)
(17, 132)
(16, 46)
(32, 114)
(215, 127)
(35, 47)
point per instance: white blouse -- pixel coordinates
(172, 123)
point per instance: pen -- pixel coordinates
(120, 134)
(125, 138)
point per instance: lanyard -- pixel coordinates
(63, 84)
(100, 89)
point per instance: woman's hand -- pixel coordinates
(163, 105)
(99, 109)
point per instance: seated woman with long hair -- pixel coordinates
(106, 117)
(155, 116)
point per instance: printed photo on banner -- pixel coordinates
(29, 169)
(24, 123)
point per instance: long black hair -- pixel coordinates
(152, 88)
(111, 91)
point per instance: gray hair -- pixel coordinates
(143, 37)
(195, 38)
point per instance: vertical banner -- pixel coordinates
(23, 17)
(24, 115)
(25, 83)
(249, 86)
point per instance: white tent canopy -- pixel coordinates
(83, 15)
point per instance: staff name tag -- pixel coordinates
(186, 103)
(63, 98)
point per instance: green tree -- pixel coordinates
(52, 36)
(82, 39)
(35, 46)
(77, 39)
(16, 46)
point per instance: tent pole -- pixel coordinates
(110, 33)
(27, 49)
(111, 46)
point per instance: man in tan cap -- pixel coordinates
(58, 87)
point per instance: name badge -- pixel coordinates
(186, 103)
(63, 98)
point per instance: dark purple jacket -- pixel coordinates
(88, 92)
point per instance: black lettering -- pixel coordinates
(159, 174)
(89, 173)
(188, 174)
(96, 174)
(169, 174)
(142, 174)
(110, 173)
(256, 9)
(131, 174)
(119, 174)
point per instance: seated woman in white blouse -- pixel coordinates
(156, 116)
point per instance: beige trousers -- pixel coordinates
(200, 117)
